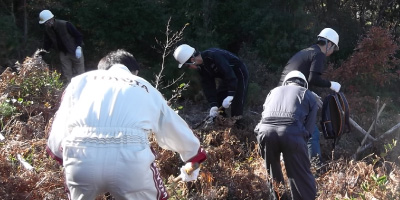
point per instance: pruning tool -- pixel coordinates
(209, 119)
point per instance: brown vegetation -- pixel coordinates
(29, 96)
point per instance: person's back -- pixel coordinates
(219, 56)
(290, 106)
(100, 133)
(308, 60)
(287, 120)
(114, 99)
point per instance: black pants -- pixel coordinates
(291, 142)
(241, 92)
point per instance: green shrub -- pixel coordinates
(253, 95)
(6, 110)
(33, 89)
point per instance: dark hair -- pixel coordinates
(323, 41)
(195, 53)
(119, 56)
(297, 81)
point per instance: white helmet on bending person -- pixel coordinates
(331, 35)
(183, 53)
(296, 77)
(44, 16)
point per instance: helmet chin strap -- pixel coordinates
(332, 46)
(326, 45)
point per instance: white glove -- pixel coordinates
(78, 52)
(227, 101)
(189, 177)
(335, 86)
(318, 98)
(214, 111)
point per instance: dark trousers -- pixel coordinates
(274, 140)
(239, 99)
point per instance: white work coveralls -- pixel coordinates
(100, 134)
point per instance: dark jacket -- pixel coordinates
(63, 36)
(310, 62)
(219, 63)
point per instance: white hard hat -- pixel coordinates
(44, 16)
(330, 35)
(183, 53)
(295, 74)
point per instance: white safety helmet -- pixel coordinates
(295, 74)
(330, 35)
(44, 16)
(183, 53)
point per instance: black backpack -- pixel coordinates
(335, 117)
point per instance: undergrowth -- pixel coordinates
(233, 170)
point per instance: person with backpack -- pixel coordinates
(288, 119)
(100, 133)
(212, 64)
(311, 62)
(62, 36)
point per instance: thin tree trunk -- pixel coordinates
(25, 39)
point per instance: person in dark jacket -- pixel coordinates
(67, 40)
(311, 62)
(216, 63)
(287, 122)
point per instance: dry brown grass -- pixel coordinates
(233, 170)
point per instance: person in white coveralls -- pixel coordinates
(100, 133)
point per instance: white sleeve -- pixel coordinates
(59, 128)
(174, 134)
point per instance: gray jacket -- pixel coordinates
(290, 105)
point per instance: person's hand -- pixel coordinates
(227, 101)
(185, 172)
(318, 99)
(78, 52)
(214, 111)
(335, 86)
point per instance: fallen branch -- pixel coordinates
(372, 125)
(4, 132)
(359, 128)
(390, 131)
(367, 134)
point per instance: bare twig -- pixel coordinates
(5, 127)
(166, 48)
(177, 93)
(174, 81)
